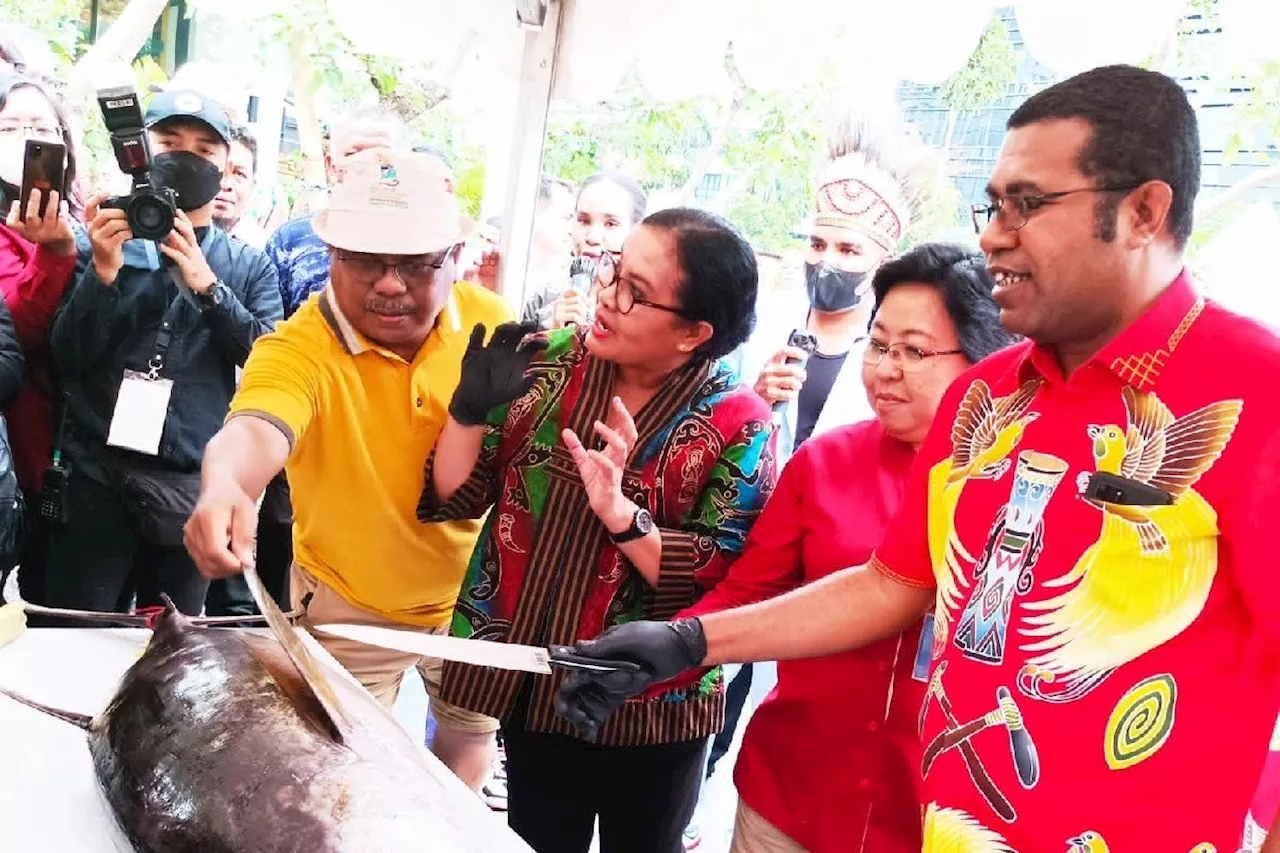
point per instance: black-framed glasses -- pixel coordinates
(1013, 211)
(903, 356)
(609, 274)
(412, 272)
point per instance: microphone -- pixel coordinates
(802, 340)
(581, 271)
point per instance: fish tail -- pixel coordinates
(81, 720)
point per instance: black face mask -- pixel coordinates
(193, 178)
(831, 290)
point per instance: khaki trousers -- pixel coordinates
(379, 670)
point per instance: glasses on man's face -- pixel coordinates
(413, 272)
(43, 132)
(1013, 211)
(609, 274)
(903, 356)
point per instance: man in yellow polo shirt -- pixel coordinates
(349, 395)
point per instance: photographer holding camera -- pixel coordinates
(147, 344)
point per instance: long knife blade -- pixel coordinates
(477, 652)
(303, 660)
(537, 659)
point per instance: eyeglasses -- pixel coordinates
(51, 133)
(1013, 211)
(415, 272)
(609, 274)
(903, 356)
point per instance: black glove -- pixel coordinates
(494, 374)
(662, 649)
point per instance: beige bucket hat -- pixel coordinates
(391, 202)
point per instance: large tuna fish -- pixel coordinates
(214, 743)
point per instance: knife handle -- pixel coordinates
(566, 657)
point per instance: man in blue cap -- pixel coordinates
(147, 344)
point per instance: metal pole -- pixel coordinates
(537, 72)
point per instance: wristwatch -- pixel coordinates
(641, 524)
(213, 297)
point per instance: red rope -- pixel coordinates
(152, 613)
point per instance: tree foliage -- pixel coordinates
(990, 69)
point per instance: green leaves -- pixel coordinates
(991, 68)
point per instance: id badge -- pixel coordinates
(141, 408)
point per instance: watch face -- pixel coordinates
(644, 521)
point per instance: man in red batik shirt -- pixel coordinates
(1089, 518)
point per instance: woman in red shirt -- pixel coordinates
(37, 262)
(830, 760)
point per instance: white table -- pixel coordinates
(49, 796)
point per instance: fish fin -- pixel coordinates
(308, 667)
(82, 720)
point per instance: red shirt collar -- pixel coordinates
(1139, 354)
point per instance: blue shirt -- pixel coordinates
(301, 260)
(100, 332)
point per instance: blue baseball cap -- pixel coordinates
(184, 103)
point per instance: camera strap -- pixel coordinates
(164, 337)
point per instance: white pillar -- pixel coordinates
(537, 71)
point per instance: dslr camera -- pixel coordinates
(148, 209)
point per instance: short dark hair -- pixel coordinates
(70, 189)
(242, 134)
(639, 201)
(548, 184)
(960, 275)
(718, 275)
(1144, 129)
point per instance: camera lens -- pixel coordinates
(150, 218)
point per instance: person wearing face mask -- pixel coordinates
(147, 343)
(609, 206)
(829, 761)
(863, 205)
(38, 257)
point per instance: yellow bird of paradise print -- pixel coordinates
(1148, 575)
(955, 831)
(1092, 842)
(985, 432)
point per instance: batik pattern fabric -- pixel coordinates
(545, 571)
(301, 260)
(1106, 607)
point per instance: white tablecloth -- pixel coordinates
(49, 797)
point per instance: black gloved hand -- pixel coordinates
(662, 649)
(494, 374)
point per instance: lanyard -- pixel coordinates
(165, 336)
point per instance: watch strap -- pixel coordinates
(634, 531)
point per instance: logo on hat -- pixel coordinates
(388, 176)
(387, 192)
(188, 103)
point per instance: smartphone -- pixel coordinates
(1121, 491)
(42, 165)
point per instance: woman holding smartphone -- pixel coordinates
(37, 262)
